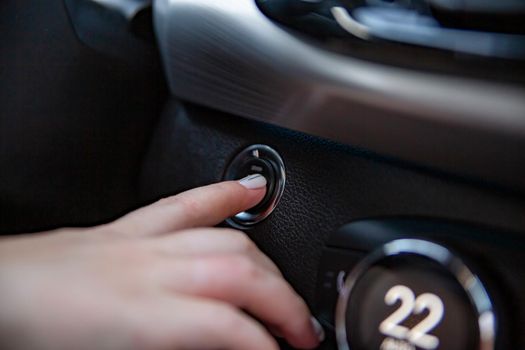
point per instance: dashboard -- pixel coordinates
(391, 132)
(393, 111)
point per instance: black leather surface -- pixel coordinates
(328, 185)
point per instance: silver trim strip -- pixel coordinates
(347, 22)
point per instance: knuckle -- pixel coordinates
(186, 204)
(185, 201)
(227, 191)
(132, 253)
(245, 244)
(248, 246)
(229, 317)
(222, 187)
(245, 268)
(229, 232)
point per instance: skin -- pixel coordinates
(157, 278)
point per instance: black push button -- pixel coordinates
(258, 159)
(414, 295)
(265, 168)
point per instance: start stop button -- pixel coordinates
(414, 295)
(264, 160)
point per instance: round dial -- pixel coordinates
(414, 295)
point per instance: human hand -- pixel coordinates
(152, 281)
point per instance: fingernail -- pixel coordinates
(318, 329)
(253, 182)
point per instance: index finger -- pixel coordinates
(199, 207)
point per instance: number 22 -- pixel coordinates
(418, 335)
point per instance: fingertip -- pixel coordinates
(318, 329)
(254, 197)
(306, 334)
(255, 189)
(307, 339)
(253, 182)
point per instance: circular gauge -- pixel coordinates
(414, 295)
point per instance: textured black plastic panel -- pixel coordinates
(328, 185)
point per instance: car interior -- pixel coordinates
(391, 134)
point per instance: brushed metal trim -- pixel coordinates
(227, 55)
